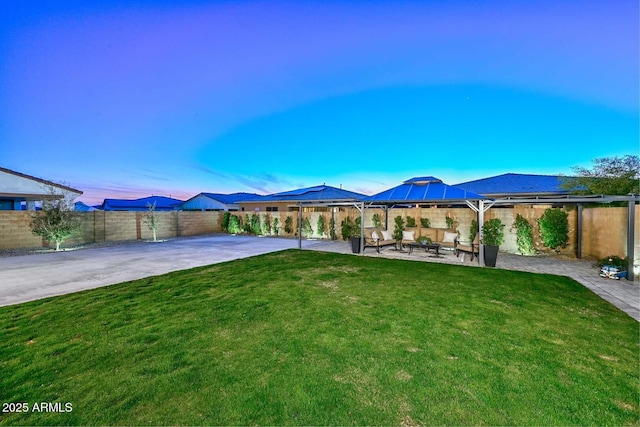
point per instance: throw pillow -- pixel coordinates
(375, 236)
(449, 237)
(408, 235)
(386, 235)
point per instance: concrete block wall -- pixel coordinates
(15, 231)
(604, 229)
(192, 223)
(605, 232)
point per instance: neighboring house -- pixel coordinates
(19, 191)
(161, 204)
(289, 200)
(83, 207)
(218, 202)
(516, 185)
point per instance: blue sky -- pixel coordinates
(130, 98)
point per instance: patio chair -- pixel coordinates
(472, 248)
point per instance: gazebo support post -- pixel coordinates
(362, 229)
(300, 225)
(630, 239)
(579, 233)
(480, 224)
(333, 221)
(386, 217)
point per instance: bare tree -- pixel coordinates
(57, 221)
(151, 219)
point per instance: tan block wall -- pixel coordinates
(604, 229)
(99, 226)
(15, 231)
(605, 232)
(194, 223)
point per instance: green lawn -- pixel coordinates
(309, 338)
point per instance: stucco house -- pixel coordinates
(19, 191)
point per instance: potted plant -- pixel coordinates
(613, 267)
(493, 236)
(352, 228)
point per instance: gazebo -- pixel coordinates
(420, 191)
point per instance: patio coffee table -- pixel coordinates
(427, 246)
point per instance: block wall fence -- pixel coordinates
(604, 229)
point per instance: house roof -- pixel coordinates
(83, 207)
(233, 198)
(423, 189)
(161, 204)
(319, 193)
(516, 184)
(16, 184)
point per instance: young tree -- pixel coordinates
(57, 221)
(609, 175)
(151, 219)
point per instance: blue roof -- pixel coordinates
(229, 199)
(83, 207)
(423, 189)
(319, 193)
(516, 184)
(161, 204)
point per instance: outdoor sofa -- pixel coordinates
(445, 237)
(375, 237)
(472, 248)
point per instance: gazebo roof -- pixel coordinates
(422, 190)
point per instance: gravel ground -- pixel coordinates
(4, 253)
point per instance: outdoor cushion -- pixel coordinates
(431, 233)
(374, 235)
(449, 237)
(408, 235)
(386, 235)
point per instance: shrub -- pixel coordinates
(357, 227)
(234, 225)
(307, 230)
(411, 221)
(266, 224)
(255, 224)
(425, 222)
(554, 228)
(288, 224)
(225, 221)
(524, 235)
(399, 228)
(332, 228)
(451, 223)
(247, 224)
(321, 226)
(276, 226)
(473, 229)
(376, 220)
(346, 227)
(493, 232)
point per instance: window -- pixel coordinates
(272, 209)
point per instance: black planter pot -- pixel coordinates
(490, 255)
(355, 245)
